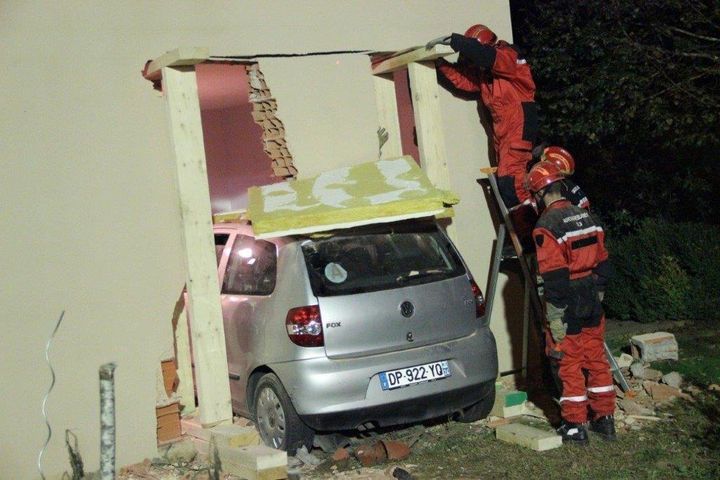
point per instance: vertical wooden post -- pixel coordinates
(429, 126)
(386, 101)
(206, 323)
(186, 385)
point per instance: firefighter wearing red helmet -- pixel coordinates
(566, 163)
(573, 263)
(501, 75)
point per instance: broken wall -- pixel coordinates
(90, 217)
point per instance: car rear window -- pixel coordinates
(380, 258)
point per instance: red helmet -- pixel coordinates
(482, 33)
(560, 157)
(541, 175)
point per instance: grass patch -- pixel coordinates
(685, 446)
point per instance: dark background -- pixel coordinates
(632, 89)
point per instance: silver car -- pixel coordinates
(358, 329)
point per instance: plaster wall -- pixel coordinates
(89, 217)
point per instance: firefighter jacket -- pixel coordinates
(503, 78)
(573, 263)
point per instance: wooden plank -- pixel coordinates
(398, 60)
(206, 323)
(527, 436)
(186, 384)
(429, 126)
(179, 57)
(386, 101)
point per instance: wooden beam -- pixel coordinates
(186, 384)
(429, 126)
(398, 60)
(203, 306)
(387, 109)
(180, 57)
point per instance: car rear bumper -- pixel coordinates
(343, 394)
(402, 412)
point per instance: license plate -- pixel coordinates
(412, 375)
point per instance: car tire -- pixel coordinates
(277, 421)
(479, 410)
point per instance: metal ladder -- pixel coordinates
(532, 296)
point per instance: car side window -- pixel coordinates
(251, 268)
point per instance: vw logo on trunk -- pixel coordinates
(407, 309)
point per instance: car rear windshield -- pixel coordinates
(380, 258)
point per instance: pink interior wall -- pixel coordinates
(233, 141)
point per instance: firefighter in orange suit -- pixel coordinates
(573, 263)
(502, 77)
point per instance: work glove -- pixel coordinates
(444, 40)
(555, 322)
(601, 295)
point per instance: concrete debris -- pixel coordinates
(306, 457)
(533, 410)
(673, 379)
(631, 407)
(242, 422)
(141, 470)
(654, 346)
(662, 393)
(714, 387)
(637, 369)
(652, 374)
(330, 442)
(179, 453)
(493, 422)
(645, 417)
(624, 360)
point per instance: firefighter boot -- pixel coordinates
(605, 427)
(573, 433)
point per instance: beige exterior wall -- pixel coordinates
(90, 222)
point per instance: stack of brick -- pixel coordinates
(167, 405)
(264, 109)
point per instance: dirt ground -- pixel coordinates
(677, 438)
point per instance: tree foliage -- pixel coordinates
(632, 89)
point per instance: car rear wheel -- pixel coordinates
(479, 410)
(276, 418)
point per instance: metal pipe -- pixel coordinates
(107, 421)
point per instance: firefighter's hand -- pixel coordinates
(444, 40)
(555, 322)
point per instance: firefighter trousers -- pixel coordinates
(585, 375)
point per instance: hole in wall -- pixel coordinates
(244, 139)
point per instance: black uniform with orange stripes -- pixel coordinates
(573, 263)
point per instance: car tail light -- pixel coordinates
(304, 326)
(479, 299)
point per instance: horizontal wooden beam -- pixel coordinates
(387, 63)
(179, 57)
